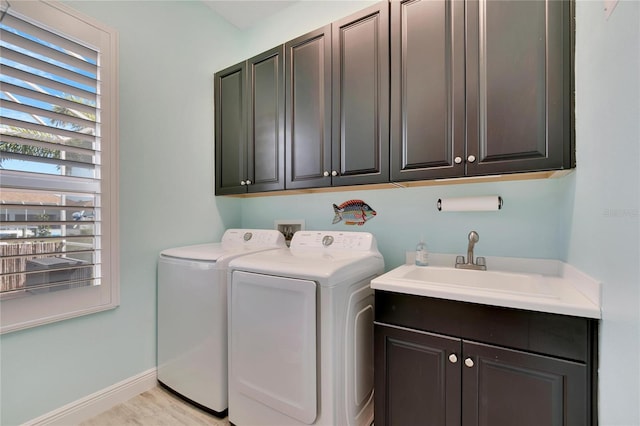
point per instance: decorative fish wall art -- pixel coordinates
(353, 212)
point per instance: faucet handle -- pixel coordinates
(481, 262)
(459, 260)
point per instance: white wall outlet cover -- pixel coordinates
(609, 5)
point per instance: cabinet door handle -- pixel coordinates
(471, 158)
(457, 160)
(468, 362)
(243, 182)
(325, 174)
(334, 173)
(453, 358)
(248, 182)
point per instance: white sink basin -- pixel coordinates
(531, 285)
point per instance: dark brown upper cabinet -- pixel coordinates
(400, 91)
(485, 93)
(249, 104)
(308, 109)
(230, 135)
(427, 89)
(337, 102)
(360, 143)
(519, 84)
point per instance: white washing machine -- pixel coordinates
(192, 315)
(301, 332)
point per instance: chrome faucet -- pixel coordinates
(479, 264)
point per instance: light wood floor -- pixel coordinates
(156, 407)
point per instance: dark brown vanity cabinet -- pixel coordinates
(440, 362)
(480, 87)
(337, 102)
(249, 108)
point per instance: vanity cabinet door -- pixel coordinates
(417, 378)
(427, 89)
(518, 68)
(231, 136)
(503, 387)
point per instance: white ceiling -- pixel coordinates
(245, 13)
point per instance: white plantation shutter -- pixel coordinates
(57, 160)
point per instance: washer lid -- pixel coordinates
(235, 242)
(202, 252)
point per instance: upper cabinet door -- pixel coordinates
(231, 137)
(518, 86)
(360, 145)
(265, 121)
(308, 110)
(427, 89)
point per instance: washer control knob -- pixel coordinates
(327, 240)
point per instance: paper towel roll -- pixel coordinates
(470, 204)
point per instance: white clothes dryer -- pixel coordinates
(192, 315)
(301, 332)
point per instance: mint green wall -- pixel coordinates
(168, 54)
(605, 231)
(532, 222)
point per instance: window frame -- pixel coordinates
(38, 309)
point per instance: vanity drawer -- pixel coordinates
(567, 337)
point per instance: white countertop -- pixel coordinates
(567, 290)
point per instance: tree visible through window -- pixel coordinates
(58, 163)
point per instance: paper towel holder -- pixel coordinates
(499, 203)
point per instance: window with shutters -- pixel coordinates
(58, 165)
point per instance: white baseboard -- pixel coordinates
(98, 402)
